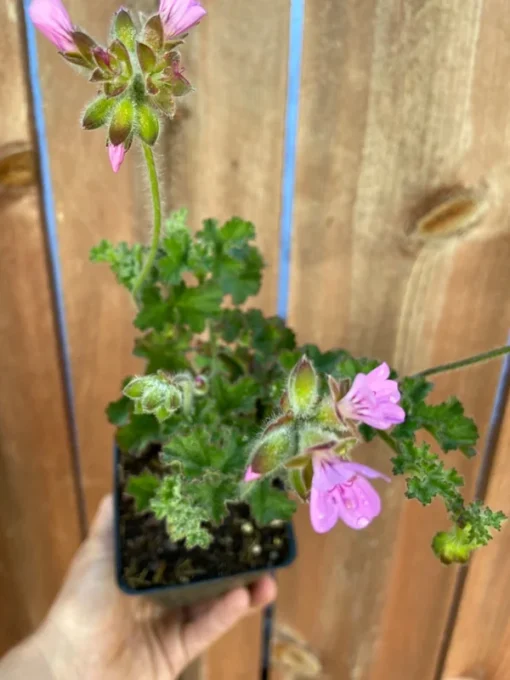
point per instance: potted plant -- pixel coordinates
(233, 423)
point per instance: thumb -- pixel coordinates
(212, 620)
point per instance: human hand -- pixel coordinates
(94, 631)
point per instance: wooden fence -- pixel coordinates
(397, 101)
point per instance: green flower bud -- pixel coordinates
(303, 387)
(124, 29)
(148, 124)
(300, 479)
(455, 545)
(97, 113)
(121, 53)
(86, 46)
(135, 387)
(121, 122)
(146, 57)
(165, 101)
(152, 34)
(272, 450)
(153, 397)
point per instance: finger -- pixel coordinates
(227, 610)
(263, 592)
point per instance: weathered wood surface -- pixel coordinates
(39, 528)
(91, 203)
(400, 104)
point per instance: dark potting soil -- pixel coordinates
(150, 558)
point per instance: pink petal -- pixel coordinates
(52, 19)
(360, 469)
(359, 504)
(116, 154)
(178, 16)
(250, 475)
(323, 511)
(378, 374)
(328, 472)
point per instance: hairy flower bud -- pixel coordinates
(272, 450)
(154, 394)
(303, 387)
(121, 123)
(455, 545)
(148, 124)
(97, 113)
(124, 28)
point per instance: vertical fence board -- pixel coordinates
(91, 204)
(39, 528)
(222, 156)
(393, 106)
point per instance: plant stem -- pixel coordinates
(454, 365)
(156, 208)
(387, 439)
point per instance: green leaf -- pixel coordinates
(143, 489)
(154, 311)
(173, 263)
(234, 397)
(119, 412)
(447, 423)
(164, 351)
(125, 261)
(212, 494)
(427, 476)
(198, 454)
(141, 431)
(268, 503)
(174, 502)
(197, 305)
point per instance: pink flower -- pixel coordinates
(340, 491)
(178, 16)
(250, 475)
(116, 154)
(373, 399)
(52, 19)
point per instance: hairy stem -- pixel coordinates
(156, 207)
(454, 365)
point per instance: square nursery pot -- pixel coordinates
(174, 576)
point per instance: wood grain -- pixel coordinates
(398, 106)
(92, 203)
(222, 156)
(39, 528)
(480, 645)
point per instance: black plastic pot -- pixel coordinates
(179, 595)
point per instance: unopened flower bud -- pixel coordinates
(152, 33)
(124, 29)
(200, 385)
(455, 545)
(148, 124)
(272, 450)
(303, 387)
(146, 57)
(98, 113)
(121, 123)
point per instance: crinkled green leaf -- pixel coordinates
(268, 503)
(125, 261)
(197, 305)
(447, 423)
(136, 435)
(119, 412)
(143, 488)
(234, 397)
(213, 493)
(155, 312)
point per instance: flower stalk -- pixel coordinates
(156, 209)
(462, 363)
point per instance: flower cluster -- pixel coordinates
(314, 437)
(138, 73)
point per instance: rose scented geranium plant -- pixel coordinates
(233, 424)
